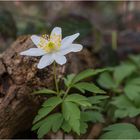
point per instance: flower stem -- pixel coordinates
(67, 91)
(55, 78)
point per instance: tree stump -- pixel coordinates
(19, 76)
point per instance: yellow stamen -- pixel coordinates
(53, 44)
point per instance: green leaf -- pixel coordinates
(122, 102)
(121, 131)
(89, 87)
(124, 107)
(66, 127)
(79, 88)
(68, 80)
(48, 106)
(97, 99)
(135, 59)
(83, 75)
(122, 113)
(133, 93)
(119, 126)
(45, 91)
(87, 73)
(53, 122)
(89, 116)
(38, 124)
(106, 81)
(134, 81)
(53, 101)
(83, 127)
(92, 116)
(78, 99)
(57, 123)
(122, 71)
(71, 113)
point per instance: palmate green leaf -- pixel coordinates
(89, 87)
(89, 116)
(42, 113)
(97, 99)
(121, 131)
(38, 124)
(66, 127)
(106, 81)
(79, 88)
(122, 102)
(53, 101)
(133, 93)
(87, 73)
(83, 75)
(45, 91)
(48, 106)
(122, 71)
(83, 127)
(124, 107)
(52, 122)
(68, 80)
(78, 99)
(92, 116)
(71, 114)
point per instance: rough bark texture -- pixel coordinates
(19, 77)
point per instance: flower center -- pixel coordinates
(50, 44)
(49, 47)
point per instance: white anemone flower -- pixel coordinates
(53, 48)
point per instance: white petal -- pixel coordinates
(36, 40)
(71, 48)
(56, 31)
(33, 52)
(60, 59)
(45, 61)
(68, 40)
